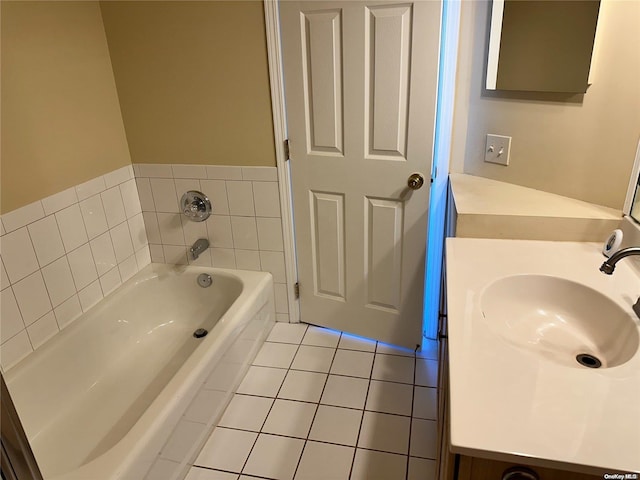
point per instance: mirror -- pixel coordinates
(541, 46)
(632, 203)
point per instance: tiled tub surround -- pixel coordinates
(318, 404)
(244, 230)
(62, 254)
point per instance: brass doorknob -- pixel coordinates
(415, 181)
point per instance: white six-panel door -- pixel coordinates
(360, 90)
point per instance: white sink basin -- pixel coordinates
(560, 320)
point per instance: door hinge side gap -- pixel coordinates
(287, 155)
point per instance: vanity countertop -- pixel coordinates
(509, 403)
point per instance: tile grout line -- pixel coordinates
(355, 452)
(244, 465)
(413, 395)
(326, 380)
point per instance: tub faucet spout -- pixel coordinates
(610, 265)
(197, 248)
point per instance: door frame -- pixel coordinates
(278, 111)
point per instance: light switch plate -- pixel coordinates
(497, 149)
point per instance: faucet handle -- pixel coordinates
(195, 206)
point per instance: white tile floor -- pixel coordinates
(317, 404)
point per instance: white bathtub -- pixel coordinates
(100, 399)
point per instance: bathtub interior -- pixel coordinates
(108, 340)
(203, 414)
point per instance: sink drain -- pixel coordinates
(588, 360)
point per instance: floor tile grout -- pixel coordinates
(321, 358)
(317, 406)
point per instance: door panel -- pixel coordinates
(387, 49)
(360, 90)
(327, 222)
(322, 51)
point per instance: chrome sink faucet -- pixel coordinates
(610, 265)
(198, 247)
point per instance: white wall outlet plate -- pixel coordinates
(497, 149)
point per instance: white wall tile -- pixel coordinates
(280, 293)
(267, 199)
(193, 230)
(175, 255)
(220, 172)
(143, 257)
(240, 196)
(59, 281)
(93, 214)
(203, 260)
(113, 206)
(128, 268)
(83, 267)
(90, 188)
(144, 192)
(170, 225)
(183, 185)
(156, 170)
(110, 281)
(219, 228)
(136, 169)
(245, 235)
(18, 255)
(130, 198)
(2, 229)
(157, 253)
(223, 258)
(68, 311)
(42, 330)
(137, 231)
(165, 196)
(270, 234)
(151, 227)
(4, 278)
(121, 239)
(22, 216)
(118, 176)
(46, 239)
(71, 227)
(216, 191)
(55, 203)
(189, 171)
(282, 317)
(10, 318)
(260, 173)
(248, 260)
(273, 262)
(15, 349)
(90, 295)
(103, 254)
(32, 297)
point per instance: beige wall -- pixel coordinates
(580, 147)
(193, 80)
(61, 122)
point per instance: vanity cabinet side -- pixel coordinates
(473, 468)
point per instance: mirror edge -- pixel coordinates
(495, 34)
(633, 184)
